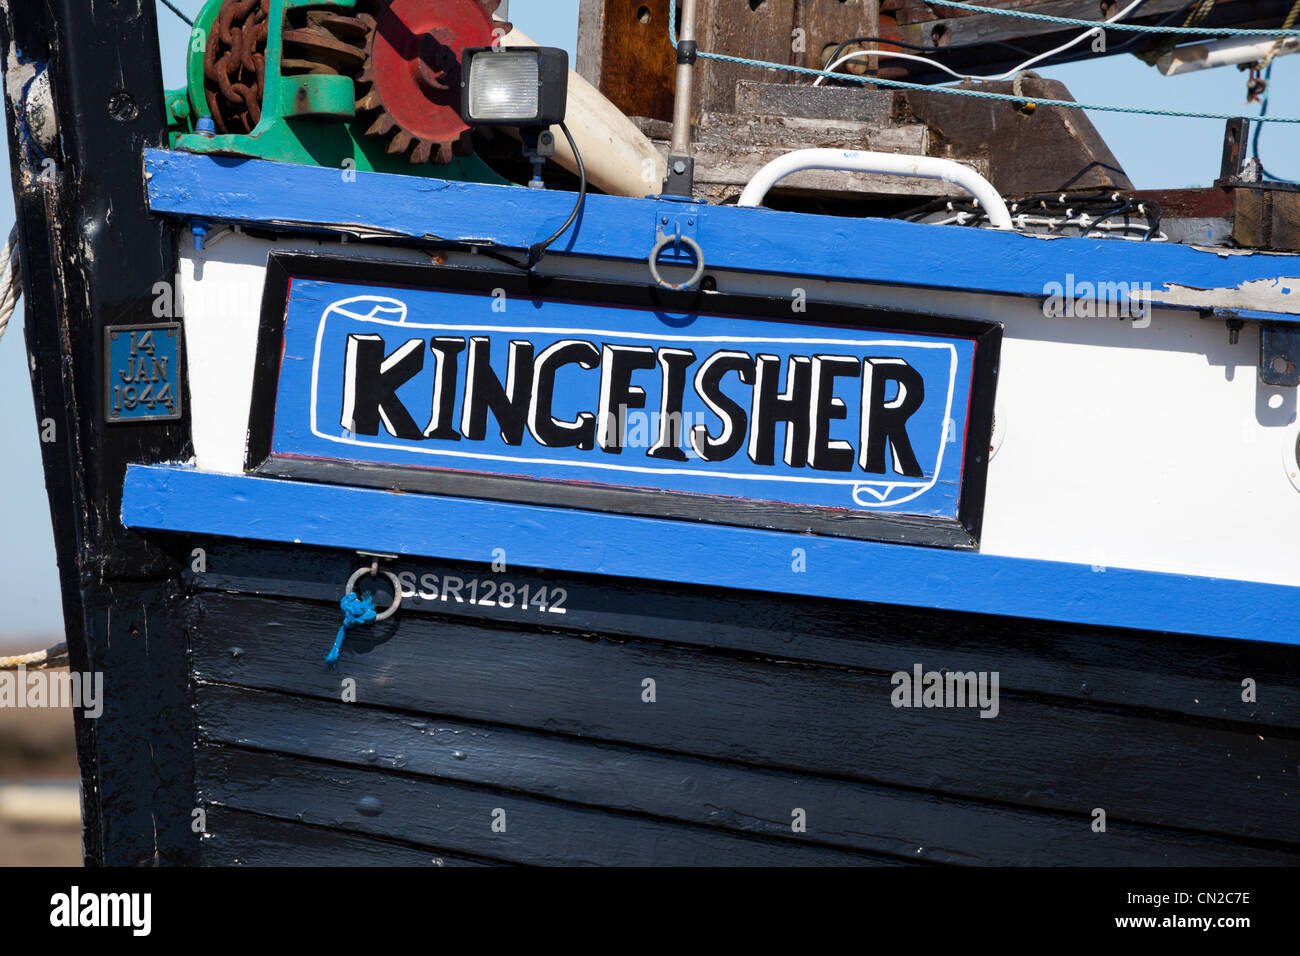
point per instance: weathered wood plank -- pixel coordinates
(1196, 677)
(724, 176)
(826, 25)
(591, 40)
(854, 104)
(1266, 218)
(1040, 753)
(757, 31)
(902, 823)
(623, 50)
(1047, 150)
(730, 149)
(774, 136)
(459, 818)
(236, 838)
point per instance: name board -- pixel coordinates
(785, 414)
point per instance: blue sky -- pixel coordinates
(1156, 152)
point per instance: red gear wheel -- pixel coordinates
(411, 77)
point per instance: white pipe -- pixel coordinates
(1231, 52)
(890, 164)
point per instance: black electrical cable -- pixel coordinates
(1154, 228)
(933, 205)
(538, 250)
(1139, 37)
(932, 50)
(920, 49)
(1124, 206)
(173, 9)
(1104, 206)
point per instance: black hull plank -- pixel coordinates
(903, 823)
(1039, 752)
(1192, 676)
(236, 838)
(459, 818)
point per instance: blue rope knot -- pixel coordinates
(356, 611)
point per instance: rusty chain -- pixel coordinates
(234, 65)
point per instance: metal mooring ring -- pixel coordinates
(375, 572)
(677, 240)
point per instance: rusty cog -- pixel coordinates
(408, 90)
(322, 42)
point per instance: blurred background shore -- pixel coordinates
(40, 819)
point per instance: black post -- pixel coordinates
(91, 256)
(1235, 149)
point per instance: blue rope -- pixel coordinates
(356, 611)
(1135, 27)
(1254, 143)
(977, 94)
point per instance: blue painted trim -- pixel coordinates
(829, 247)
(179, 499)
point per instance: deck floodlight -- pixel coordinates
(526, 88)
(520, 86)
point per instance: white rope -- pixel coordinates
(11, 280)
(55, 656)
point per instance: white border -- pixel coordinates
(857, 484)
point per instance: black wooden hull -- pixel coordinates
(764, 706)
(465, 732)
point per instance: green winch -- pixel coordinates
(370, 85)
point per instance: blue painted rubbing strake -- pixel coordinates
(177, 498)
(356, 611)
(813, 246)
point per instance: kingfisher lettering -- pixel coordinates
(595, 397)
(763, 407)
